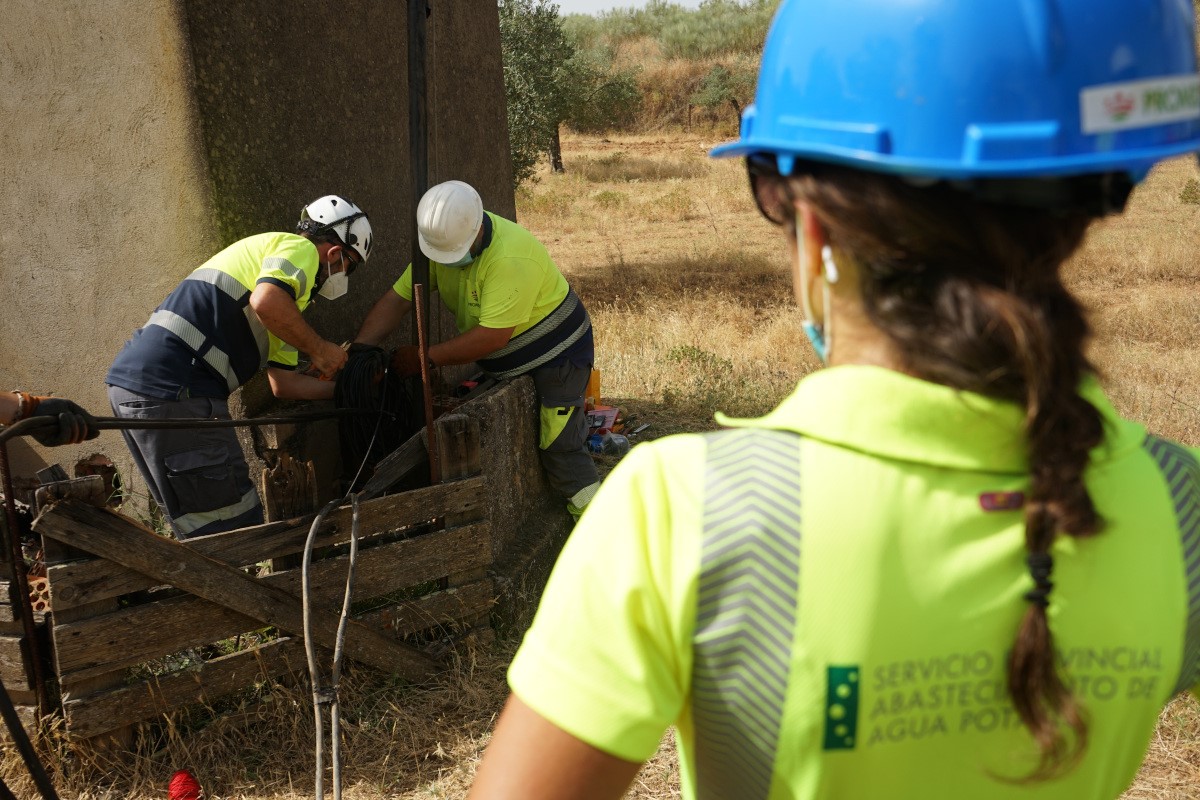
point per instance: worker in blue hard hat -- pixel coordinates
(944, 567)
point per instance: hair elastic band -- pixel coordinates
(1040, 567)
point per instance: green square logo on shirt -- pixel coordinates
(841, 707)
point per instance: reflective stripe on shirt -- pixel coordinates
(1182, 474)
(745, 609)
(261, 337)
(191, 335)
(222, 280)
(291, 270)
(542, 343)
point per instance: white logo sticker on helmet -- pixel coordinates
(1139, 104)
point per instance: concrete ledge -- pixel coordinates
(521, 504)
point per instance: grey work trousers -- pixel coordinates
(198, 476)
(564, 429)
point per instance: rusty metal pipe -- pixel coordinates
(20, 580)
(435, 470)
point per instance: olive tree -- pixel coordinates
(539, 78)
(549, 82)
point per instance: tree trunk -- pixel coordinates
(556, 163)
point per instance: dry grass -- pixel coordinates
(686, 284)
(689, 292)
(699, 315)
(1137, 274)
(622, 167)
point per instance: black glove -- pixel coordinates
(74, 424)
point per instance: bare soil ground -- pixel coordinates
(691, 301)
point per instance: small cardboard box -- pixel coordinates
(592, 394)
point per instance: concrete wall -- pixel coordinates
(105, 195)
(526, 516)
(142, 136)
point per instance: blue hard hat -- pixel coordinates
(977, 88)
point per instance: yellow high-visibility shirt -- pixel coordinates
(512, 284)
(823, 600)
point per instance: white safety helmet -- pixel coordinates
(341, 217)
(448, 220)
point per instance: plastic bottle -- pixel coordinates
(614, 444)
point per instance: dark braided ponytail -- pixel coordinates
(971, 295)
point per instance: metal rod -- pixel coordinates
(418, 136)
(435, 470)
(28, 426)
(21, 580)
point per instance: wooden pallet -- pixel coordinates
(120, 616)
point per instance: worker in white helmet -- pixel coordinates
(240, 311)
(516, 315)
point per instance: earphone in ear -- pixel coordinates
(831, 270)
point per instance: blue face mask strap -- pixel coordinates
(814, 331)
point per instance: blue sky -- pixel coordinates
(593, 6)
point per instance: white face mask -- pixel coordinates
(335, 285)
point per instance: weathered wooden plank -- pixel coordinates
(118, 539)
(118, 735)
(99, 644)
(459, 452)
(14, 663)
(458, 446)
(396, 466)
(95, 714)
(99, 713)
(447, 607)
(89, 489)
(85, 582)
(8, 601)
(19, 697)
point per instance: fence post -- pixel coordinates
(458, 445)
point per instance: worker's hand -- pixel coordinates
(328, 360)
(74, 424)
(406, 361)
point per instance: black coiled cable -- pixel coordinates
(366, 383)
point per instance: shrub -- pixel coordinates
(1191, 192)
(621, 167)
(676, 205)
(610, 200)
